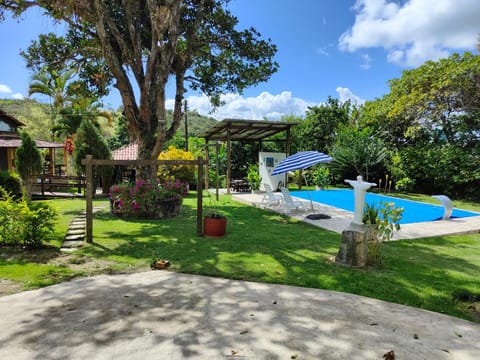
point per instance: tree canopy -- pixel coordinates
(144, 44)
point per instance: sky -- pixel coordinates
(346, 49)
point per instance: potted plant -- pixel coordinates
(253, 178)
(381, 222)
(214, 223)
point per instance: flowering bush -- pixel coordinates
(143, 198)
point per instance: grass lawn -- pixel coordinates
(266, 247)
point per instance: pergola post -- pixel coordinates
(229, 159)
(287, 153)
(206, 165)
(217, 169)
(200, 196)
(89, 193)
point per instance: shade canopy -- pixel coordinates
(300, 160)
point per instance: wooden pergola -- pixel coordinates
(229, 130)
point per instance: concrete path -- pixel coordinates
(166, 315)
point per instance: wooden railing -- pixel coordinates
(50, 183)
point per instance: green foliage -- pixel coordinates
(358, 153)
(75, 51)
(213, 207)
(430, 120)
(442, 168)
(404, 185)
(24, 223)
(200, 39)
(10, 182)
(197, 124)
(382, 221)
(120, 133)
(386, 217)
(321, 176)
(89, 141)
(36, 116)
(319, 129)
(28, 161)
(253, 177)
(242, 154)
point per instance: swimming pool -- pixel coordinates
(414, 211)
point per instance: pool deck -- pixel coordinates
(340, 220)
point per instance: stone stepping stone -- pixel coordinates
(77, 237)
(71, 231)
(72, 244)
(76, 226)
(68, 250)
(78, 222)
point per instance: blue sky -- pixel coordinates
(345, 49)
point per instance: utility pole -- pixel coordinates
(186, 124)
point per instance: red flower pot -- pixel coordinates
(214, 227)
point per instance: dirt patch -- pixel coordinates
(8, 287)
(84, 265)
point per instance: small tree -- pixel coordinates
(89, 140)
(28, 162)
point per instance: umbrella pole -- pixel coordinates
(311, 202)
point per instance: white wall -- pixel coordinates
(267, 162)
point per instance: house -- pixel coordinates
(10, 141)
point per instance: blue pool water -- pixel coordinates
(414, 211)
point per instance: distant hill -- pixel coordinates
(197, 124)
(36, 117)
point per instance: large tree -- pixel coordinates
(318, 130)
(145, 43)
(439, 100)
(430, 120)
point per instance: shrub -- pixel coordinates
(382, 220)
(184, 173)
(404, 184)
(253, 177)
(24, 223)
(321, 176)
(11, 183)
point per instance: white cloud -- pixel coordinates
(366, 61)
(18, 96)
(322, 51)
(263, 106)
(346, 94)
(415, 31)
(5, 89)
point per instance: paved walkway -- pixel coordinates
(340, 219)
(166, 315)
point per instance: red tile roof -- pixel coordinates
(127, 152)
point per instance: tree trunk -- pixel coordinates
(353, 248)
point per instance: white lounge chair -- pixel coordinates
(270, 198)
(289, 204)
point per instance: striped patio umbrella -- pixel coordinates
(300, 160)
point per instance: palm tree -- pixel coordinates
(53, 85)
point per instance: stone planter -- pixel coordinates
(160, 209)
